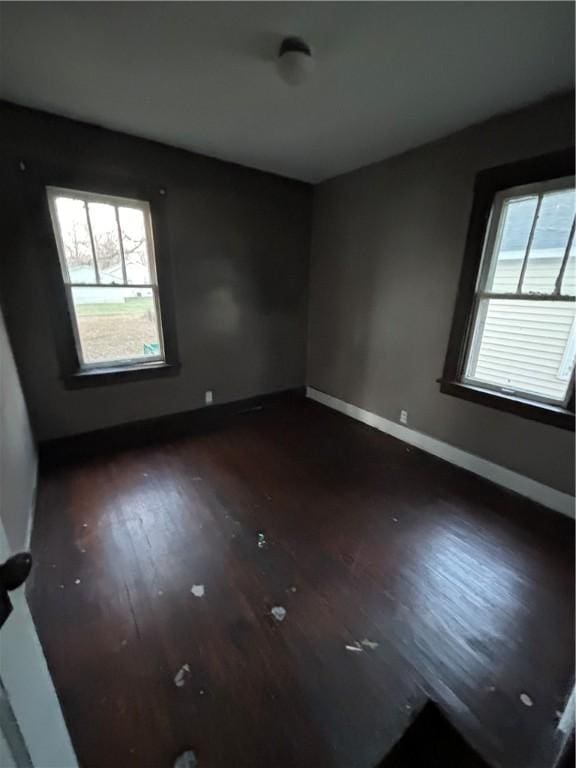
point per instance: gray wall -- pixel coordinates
(387, 247)
(17, 452)
(239, 247)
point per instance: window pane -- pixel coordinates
(568, 287)
(135, 245)
(517, 216)
(75, 240)
(106, 243)
(116, 324)
(523, 345)
(549, 242)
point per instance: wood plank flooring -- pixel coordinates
(467, 590)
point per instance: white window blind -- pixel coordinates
(522, 338)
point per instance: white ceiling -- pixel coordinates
(389, 75)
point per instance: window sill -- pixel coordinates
(554, 415)
(96, 377)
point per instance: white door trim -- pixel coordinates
(29, 687)
(543, 494)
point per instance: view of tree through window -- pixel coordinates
(107, 258)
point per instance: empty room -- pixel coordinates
(287, 350)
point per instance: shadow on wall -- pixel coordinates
(399, 304)
(344, 326)
(248, 298)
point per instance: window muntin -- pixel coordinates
(523, 321)
(106, 251)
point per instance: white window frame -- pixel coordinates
(124, 202)
(487, 267)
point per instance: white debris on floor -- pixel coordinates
(358, 647)
(186, 760)
(76, 581)
(197, 590)
(279, 612)
(395, 519)
(182, 676)
(355, 648)
(262, 543)
(526, 700)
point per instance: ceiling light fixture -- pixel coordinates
(295, 62)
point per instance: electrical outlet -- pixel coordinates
(208, 396)
(403, 417)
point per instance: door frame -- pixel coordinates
(29, 690)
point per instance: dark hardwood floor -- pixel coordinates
(467, 590)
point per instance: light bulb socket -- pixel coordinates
(294, 45)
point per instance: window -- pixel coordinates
(106, 251)
(513, 338)
(523, 326)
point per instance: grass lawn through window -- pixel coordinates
(116, 331)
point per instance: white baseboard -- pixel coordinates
(543, 494)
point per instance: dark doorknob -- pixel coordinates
(13, 573)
